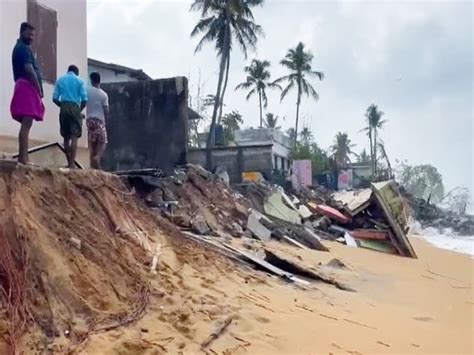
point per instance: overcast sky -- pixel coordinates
(413, 59)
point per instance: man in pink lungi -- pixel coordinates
(27, 104)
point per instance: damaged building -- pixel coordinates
(148, 124)
(262, 150)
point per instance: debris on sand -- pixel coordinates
(87, 252)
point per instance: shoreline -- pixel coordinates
(462, 244)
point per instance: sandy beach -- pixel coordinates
(400, 305)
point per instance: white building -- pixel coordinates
(61, 40)
(280, 143)
(114, 73)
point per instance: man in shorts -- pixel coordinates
(27, 104)
(71, 96)
(97, 114)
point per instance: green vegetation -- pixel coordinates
(222, 23)
(341, 149)
(374, 123)
(231, 122)
(258, 80)
(298, 62)
(271, 121)
(422, 181)
(307, 149)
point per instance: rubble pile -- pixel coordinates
(205, 205)
(374, 218)
(195, 200)
(430, 215)
(84, 252)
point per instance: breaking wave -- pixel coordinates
(444, 239)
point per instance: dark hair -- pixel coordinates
(74, 69)
(95, 78)
(26, 26)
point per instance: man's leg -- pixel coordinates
(99, 150)
(91, 151)
(67, 148)
(73, 152)
(23, 138)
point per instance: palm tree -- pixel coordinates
(364, 157)
(271, 121)
(306, 136)
(258, 80)
(290, 132)
(223, 22)
(231, 122)
(374, 123)
(298, 62)
(381, 146)
(341, 149)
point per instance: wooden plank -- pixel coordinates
(377, 245)
(267, 266)
(294, 242)
(332, 213)
(354, 201)
(370, 234)
(389, 199)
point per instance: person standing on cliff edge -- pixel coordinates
(27, 104)
(70, 95)
(97, 115)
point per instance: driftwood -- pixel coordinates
(296, 269)
(219, 330)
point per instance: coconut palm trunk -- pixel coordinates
(371, 150)
(260, 106)
(298, 102)
(375, 151)
(224, 60)
(224, 89)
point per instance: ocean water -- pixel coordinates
(444, 239)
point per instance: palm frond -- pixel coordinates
(251, 93)
(244, 85)
(285, 91)
(264, 98)
(318, 74)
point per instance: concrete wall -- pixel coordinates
(71, 49)
(261, 136)
(110, 76)
(148, 124)
(267, 136)
(237, 160)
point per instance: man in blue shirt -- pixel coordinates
(27, 104)
(71, 96)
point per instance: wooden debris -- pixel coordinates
(218, 332)
(296, 269)
(357, 323)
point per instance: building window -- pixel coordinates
(45, 45)
(275, 162)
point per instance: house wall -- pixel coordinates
(268, 136)
(110, 76)
(149, 124)
(237, 160)
(71, 49)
